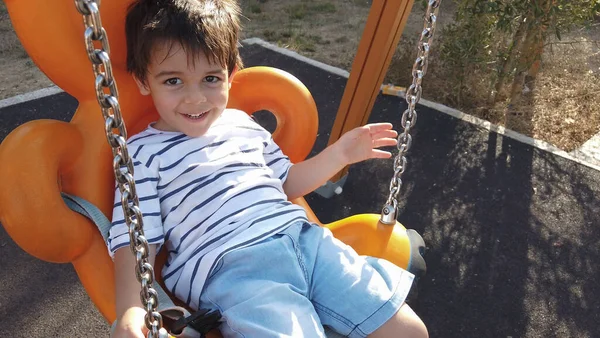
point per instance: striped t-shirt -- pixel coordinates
(205, 196)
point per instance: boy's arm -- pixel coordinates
(130, 312)
(356, 145)
(310, 174)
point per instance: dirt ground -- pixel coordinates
(565, 106)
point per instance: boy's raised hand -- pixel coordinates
(357, 145)
(362, 143)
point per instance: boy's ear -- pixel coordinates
(235, 70)
(144, 90)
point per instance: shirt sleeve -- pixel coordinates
(146, 182)
(276, 160)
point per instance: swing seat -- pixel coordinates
(42, 158)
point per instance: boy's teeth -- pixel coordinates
(195, 115)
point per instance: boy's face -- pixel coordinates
(189, 95)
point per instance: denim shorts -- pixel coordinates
(303, 282)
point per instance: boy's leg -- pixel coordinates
(356, 295)
(262, 290)
(405, 323)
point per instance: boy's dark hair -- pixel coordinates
(210, 27)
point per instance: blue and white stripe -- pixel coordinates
(202, 197)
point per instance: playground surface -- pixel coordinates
(512, 230)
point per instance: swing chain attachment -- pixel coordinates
(409, 117)
(116, 135)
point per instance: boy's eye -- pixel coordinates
(211, 79)
(173, 81)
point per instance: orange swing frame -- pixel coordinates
(44, 157)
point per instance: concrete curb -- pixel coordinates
(37, 94)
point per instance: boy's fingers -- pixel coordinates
(377, 127)
(389, 133)
(376, 153)
(384, 142)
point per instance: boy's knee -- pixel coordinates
(417, 329)
(405, 323)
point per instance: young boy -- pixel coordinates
(214, 189)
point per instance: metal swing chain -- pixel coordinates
(116, 135)
(409, 117)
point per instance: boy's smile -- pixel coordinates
(189, 92)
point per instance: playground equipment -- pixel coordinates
(44, 158)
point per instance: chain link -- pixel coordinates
(116, 135)
(409, 117)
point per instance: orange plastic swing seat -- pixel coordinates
(42, 158)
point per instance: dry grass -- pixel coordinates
(9, 43)
(327, 30)
(18, 72)
(563, 108)
(566, 107)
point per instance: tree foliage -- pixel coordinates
(503, 40)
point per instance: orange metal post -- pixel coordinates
(381, 34)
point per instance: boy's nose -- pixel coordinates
(195, 96)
